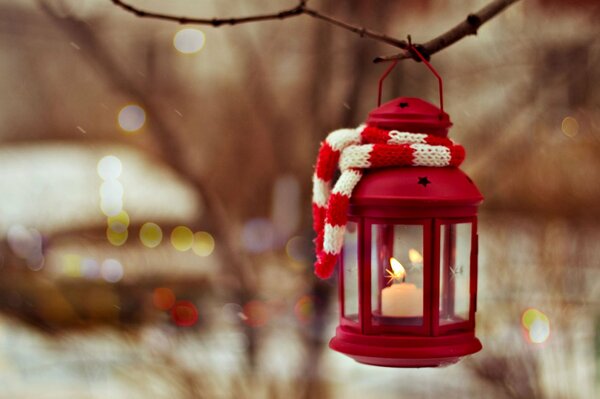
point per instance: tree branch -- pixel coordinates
(216, 22)
(362, 32)
(297, 10)
(467, 27)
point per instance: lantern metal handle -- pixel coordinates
(431, 68)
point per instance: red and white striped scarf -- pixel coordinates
(353, 150)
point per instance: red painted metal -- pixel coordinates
(381, 79)
(393, 196)
(437, 75)
(411, 114)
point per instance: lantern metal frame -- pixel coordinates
(451, 199)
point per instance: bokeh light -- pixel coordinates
(111, 189)
(36, 262)
(256, 313)
(184, 314)
(163, 298)
(25, 242)
(304, 309)
(570, 126)
(111, 207)
(109, 167)
(530, 315)
(537, 325)
(116, 238)
(182, 238)
(71, 265)
(204, 243)
(151, 235)
(111, 270)
(539, 331)
(258, 235)
(119, 222)
(189, 40)
(132, 117)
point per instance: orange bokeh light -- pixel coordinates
(304, 309)
(256, 313)
(163, 298)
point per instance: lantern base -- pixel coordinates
(405, 351)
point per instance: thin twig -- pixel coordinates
(467, 27)
(362, 32)
(287, 13)
(299, 9)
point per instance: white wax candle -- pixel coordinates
(402, 300)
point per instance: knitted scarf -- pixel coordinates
(353, 150)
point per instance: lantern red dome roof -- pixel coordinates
(410, 114)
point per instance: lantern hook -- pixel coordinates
(412, 49)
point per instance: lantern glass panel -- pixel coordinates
(350, 271)
(455, 271)
(397, 274)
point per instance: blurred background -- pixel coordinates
(155, 227)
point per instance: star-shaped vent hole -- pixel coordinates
(424, 181)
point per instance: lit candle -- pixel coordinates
(401, 299)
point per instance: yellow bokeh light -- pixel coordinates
(119, 222)
(71, 265)
(531, 315)
(131, 118)
(189, 40)
(204, 243)
(109, 167)
(537, 325)
(116, 238)
(182, 238)
(151, 235)
(570, 126)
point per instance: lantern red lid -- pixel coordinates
(416, 191)
(418, 184)
(410, 114)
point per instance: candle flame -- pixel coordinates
(415, 256)
(398, 272)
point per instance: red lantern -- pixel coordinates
(408, 270)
